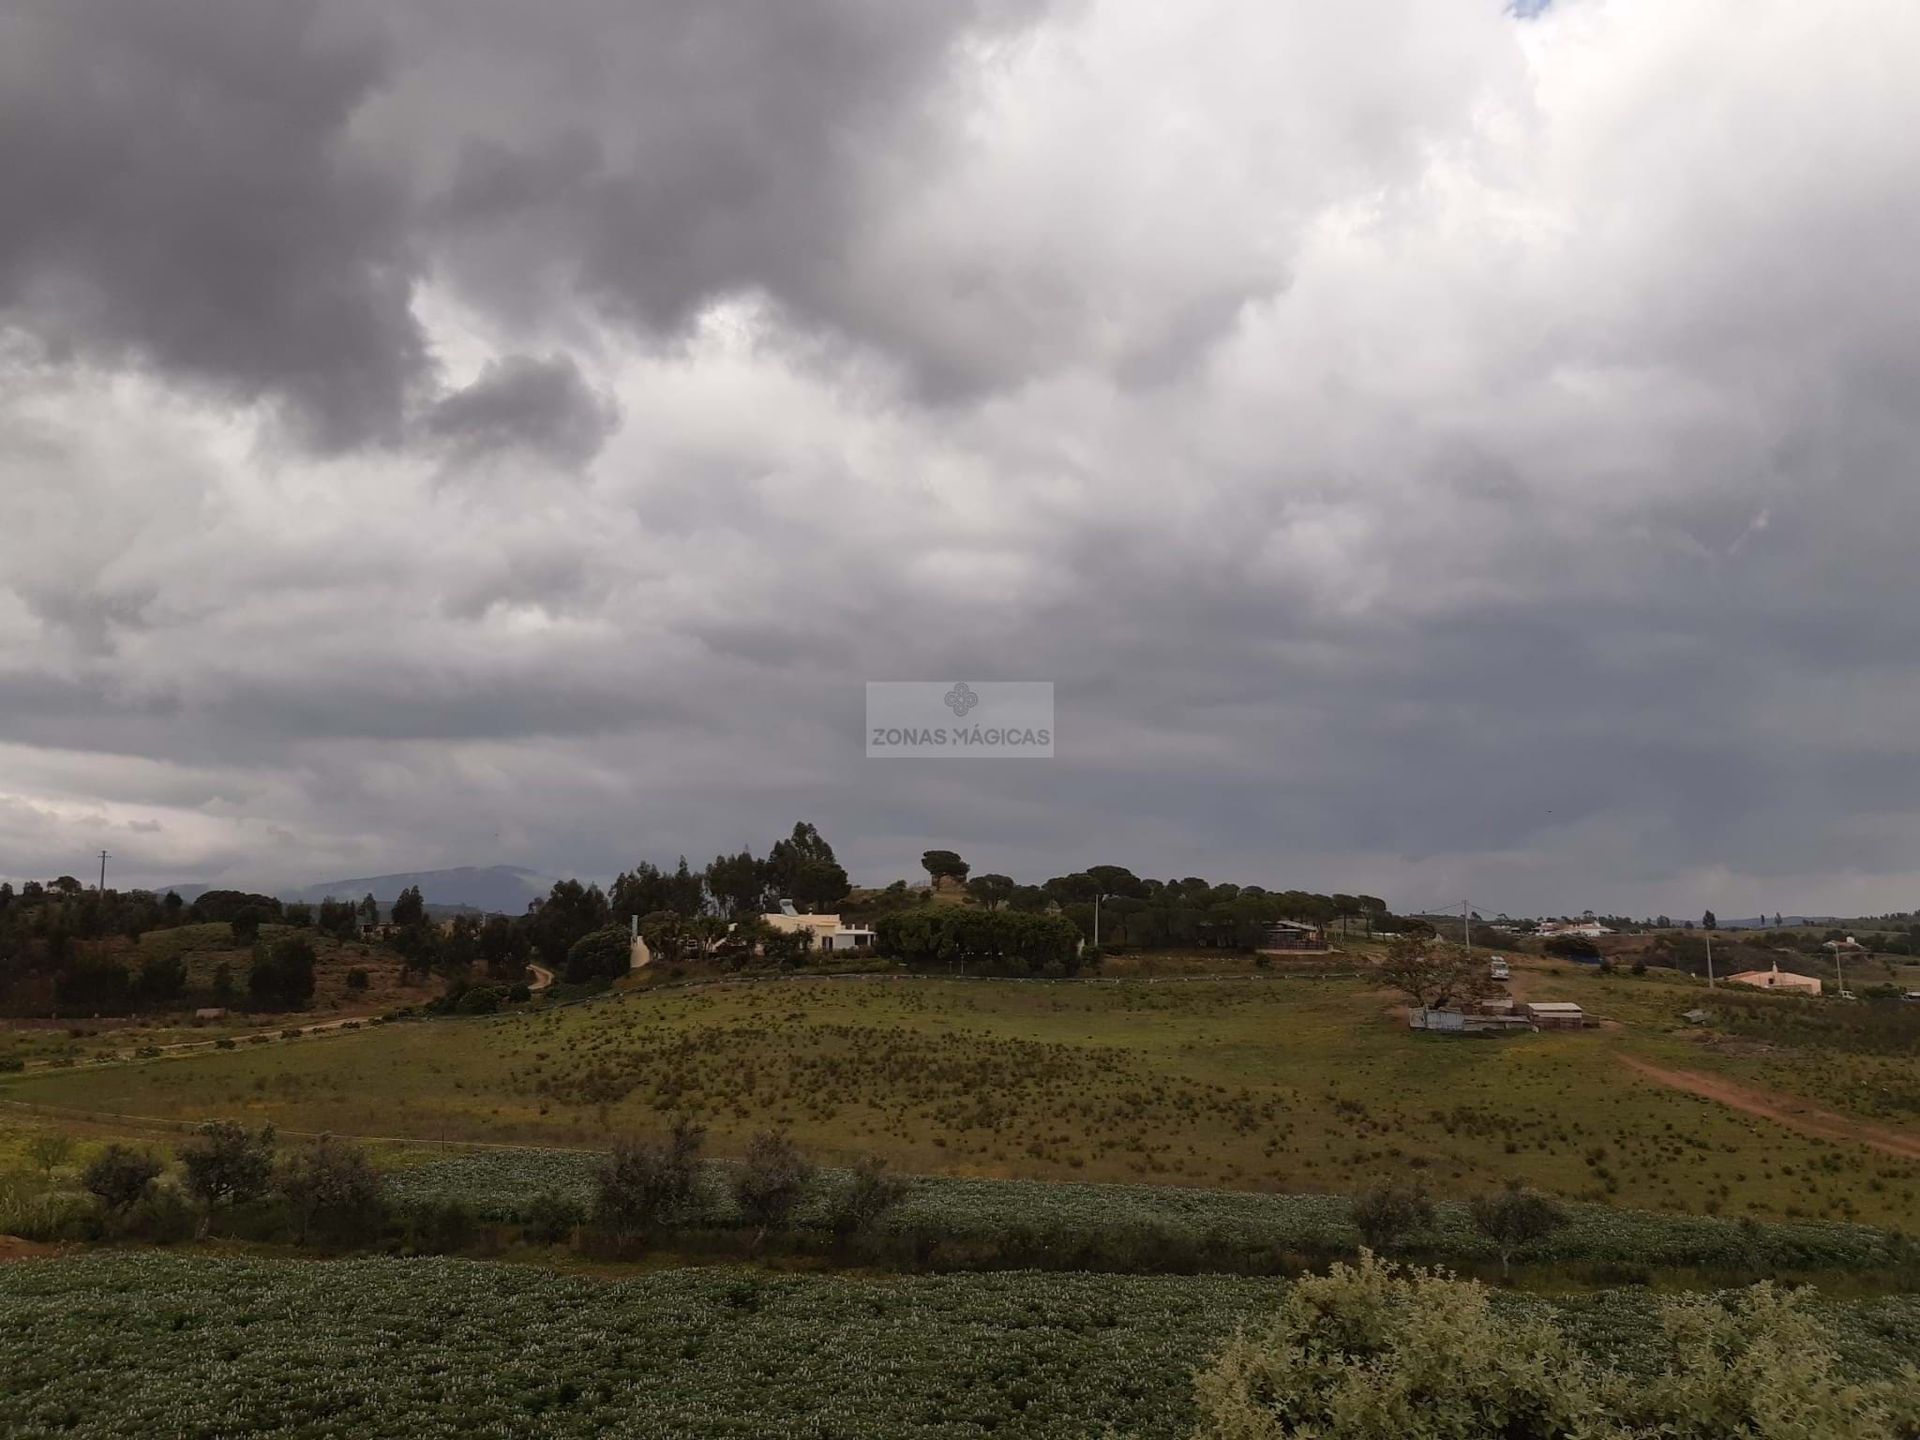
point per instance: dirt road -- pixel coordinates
(1787, 1110)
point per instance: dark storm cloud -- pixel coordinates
(663, 156)
(182, 188)
(545, 406)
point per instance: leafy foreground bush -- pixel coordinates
(1368, 1352)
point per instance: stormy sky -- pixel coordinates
(1436, 448)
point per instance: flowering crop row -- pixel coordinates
(143, 1343)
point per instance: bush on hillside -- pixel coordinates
(121, 1176)
(226, 1165)
(478, 1000)
(1515, 1217)
(1384, 1216)
(334, 1193)
(772, 1182)
(603, 954)
(867, 1196)
(643, 1184)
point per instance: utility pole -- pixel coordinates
(1466, 926)
(103, 872)
(1709, 959)
(1096, 919)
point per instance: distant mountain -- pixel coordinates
(502, 889)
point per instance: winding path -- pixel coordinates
(1784, 1110)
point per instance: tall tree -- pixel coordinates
(410, 908)
(569, 911)
(737, 883)
(802, 868)
(944, 865)
(991, 891)
(1435, 974)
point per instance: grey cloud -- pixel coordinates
(665, 154)
(183, 187)
(1382, 506)
(544, 406)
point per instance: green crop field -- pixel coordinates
(1264, 1084)
(146, 1344)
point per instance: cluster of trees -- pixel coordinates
(1144, 913)
(996, 940)
(801, 868)
(327, 1190)
(63, 950)
(645, 1187)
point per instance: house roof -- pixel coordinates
(1554, 1007)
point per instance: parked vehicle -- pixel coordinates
(1497, 968)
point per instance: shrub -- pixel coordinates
(1384, 1215)
(602, 954)
(11, 1063)
(551, 1217)
(1370, 1353)
(334, 1192)
(1514, 1217)
(439, 1227)
(50, 1149)
(357, 978)
(1759, 1366)
(773, 1181)
(479, 1000)
(520, 994)
(645, 1184)
(868, 1195)
(1365, 1351)
(162, 1215)
(120, 1176)
(225, 1165)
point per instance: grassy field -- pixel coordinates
(1284, 1084)
(137, 1344)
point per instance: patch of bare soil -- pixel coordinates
(1787, 1110)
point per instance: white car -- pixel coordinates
(1497, 968)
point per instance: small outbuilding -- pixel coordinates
(1777, 979)
(1555, 1015)
(1288, 936)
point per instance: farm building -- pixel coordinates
(1285, 936)
(1555, 1015)
(1461, 1022)
(824, 932)
(1777, 979)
